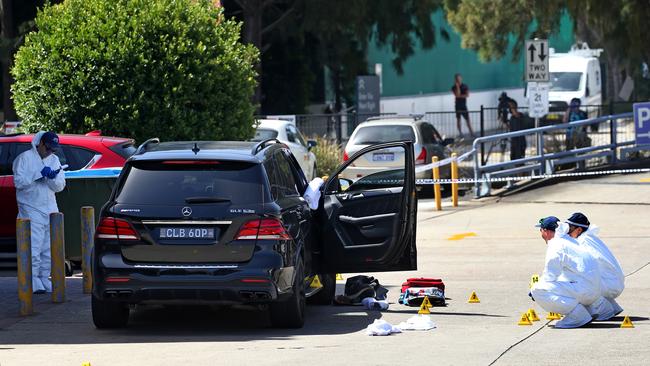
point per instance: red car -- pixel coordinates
(90, 151)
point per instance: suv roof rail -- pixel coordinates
(142, 148)
(416, 117)
(262, 144)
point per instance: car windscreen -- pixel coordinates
(383, 133)
(174, 182)
(565, 81)
(262, 134)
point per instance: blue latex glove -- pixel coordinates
(530, 294)
(53, 173)
(45, 172)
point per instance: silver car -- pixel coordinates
(427, 143)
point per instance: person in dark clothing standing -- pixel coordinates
(576, 137)
(517, 123)
(461, 93)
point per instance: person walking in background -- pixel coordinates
(516, 123)
(37, 177)
(576, 137)
(461, 93)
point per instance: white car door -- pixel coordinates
(299, 149)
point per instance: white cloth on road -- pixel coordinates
(312, 193)
(570, 277)
(417, 322)
(381, 327)
(36, 200)
(371, 303)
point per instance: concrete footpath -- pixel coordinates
(489, 246)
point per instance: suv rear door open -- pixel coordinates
(369, 223)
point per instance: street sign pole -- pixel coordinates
(537, 75)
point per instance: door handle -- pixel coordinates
(356, 195)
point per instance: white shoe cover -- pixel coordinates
(578, 317)
(601, 309)
(617, 308)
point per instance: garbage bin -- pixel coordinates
(83, 188)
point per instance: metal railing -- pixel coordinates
(547, 149)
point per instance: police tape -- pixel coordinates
(531, 177)
(443, 162)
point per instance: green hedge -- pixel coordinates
(138, 68)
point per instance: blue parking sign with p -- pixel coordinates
(642, 123)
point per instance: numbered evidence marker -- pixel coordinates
(315, 283)
(532, 315)
(627, 323)
(533, 280)
(473, 299)
(424, 307)
(553, 316)
(524, 320)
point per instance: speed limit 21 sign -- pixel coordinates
(537, 99)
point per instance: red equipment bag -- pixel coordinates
(414, 290)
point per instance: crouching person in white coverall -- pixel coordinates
(570, 281)
(37, 177)
(612, 279)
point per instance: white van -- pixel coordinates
(575, 74)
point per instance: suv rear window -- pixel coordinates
(383, 133)
(262, 134)
(171, 182)
(124, 150)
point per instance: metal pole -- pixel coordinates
(24, 262)
(613, 134)
(454, 175)
(540, 148)
(482, 134)
(87, 243)
(57, 247)
(436, 186)
(477, 185)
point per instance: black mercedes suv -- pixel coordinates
(226, 223)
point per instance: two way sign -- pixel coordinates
(537, 60)
(642, 123)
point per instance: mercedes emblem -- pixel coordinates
(186, 211)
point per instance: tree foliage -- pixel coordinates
(617, 26)
(335, 34)
(139, 68)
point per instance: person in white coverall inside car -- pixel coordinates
(612, 279)
(37, 177)
(570, 281)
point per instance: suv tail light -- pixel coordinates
(112, 228)
(422, 158)
(345, 156)
(263, 229)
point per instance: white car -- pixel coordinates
(287, 133)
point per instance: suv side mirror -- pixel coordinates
(447, 141)
(311, 144)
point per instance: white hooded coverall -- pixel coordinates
(36, 200)
(612, 279)
(570, 278)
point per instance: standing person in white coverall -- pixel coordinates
(37, 177)
(612, 279)
(570, 281)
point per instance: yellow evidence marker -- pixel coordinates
(339, 277)
(424, 309)
(532, 315)
(553, 316)
(627, 323)
(533, 280)
(524, 320)
(315, 283)
(426, 302)
(473, 298)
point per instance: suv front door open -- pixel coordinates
(368, 217)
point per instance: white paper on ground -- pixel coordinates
(381, 327)
(418, 322)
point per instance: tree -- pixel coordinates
(617, 26)
(140, 68)
(299, 38)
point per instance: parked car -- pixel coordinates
(426, 140)
(287, 133)
(226, 223)
(90, 151)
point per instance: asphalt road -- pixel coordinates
(496, 263)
